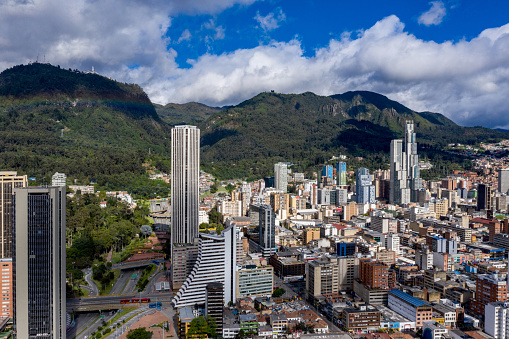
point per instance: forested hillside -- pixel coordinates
(85, 125)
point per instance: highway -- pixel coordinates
(131, 283)
(112, 302)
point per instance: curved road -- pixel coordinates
(93, 286)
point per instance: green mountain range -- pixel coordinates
(308, 129)
(85, 125)
(92, 127)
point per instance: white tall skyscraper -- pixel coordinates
(405, 175)
(185, 180)
(503, 180)
(281, 177)
(399, 193)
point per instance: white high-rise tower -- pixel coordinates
(281, 177)
(405, 175)
(185, 179)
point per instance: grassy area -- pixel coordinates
(108, 288)
(147, 272)
(84, 292)
(122, 313)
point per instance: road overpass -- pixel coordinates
(135, 264)
(108, 302)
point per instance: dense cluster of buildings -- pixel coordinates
(385, 250)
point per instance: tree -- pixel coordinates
(219, 229)
(278, 292)
(146, 230)
(215, 217)
(202, 327)
(139, 333)
(230, 188)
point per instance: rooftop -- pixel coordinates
(408, 298)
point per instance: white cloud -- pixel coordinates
(106, 34)
(434, 15)
(271, 21)
(186, 36)
(466, 80)
(218, 30)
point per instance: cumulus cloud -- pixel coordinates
(434, 15)
(271, 21)
(106, 34)
(467, 80)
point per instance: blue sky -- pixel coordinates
(447, 56)
(315, 22)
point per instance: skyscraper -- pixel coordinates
(399, 193)
(8, 182)
(263, 238)
(413, 171)
(503, 180)
(365, 190)
(327, 171)
(341, 173)
(39, 262)
(185, 177)
(281, 177)
(405, 182)
(483, 197)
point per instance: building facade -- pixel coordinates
(39, 262)
(254, 281)
(365, 190)
(8, 182)
(281, 177)
(341, 173)
(185, 177)
(216, 262)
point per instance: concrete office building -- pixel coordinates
(262, 239)
(58, 179)
(391, 242)
(216, 262)
(496, 323)
(281, 177)
(409, 307)
(185, 178)
(503, 180)
(330, 275)
(8, 182)
(183, 259)
(365, 190)
(7, 309)
(483, 197)
(254, 281)
(214, 304)
(39, 262)
(489, 288)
